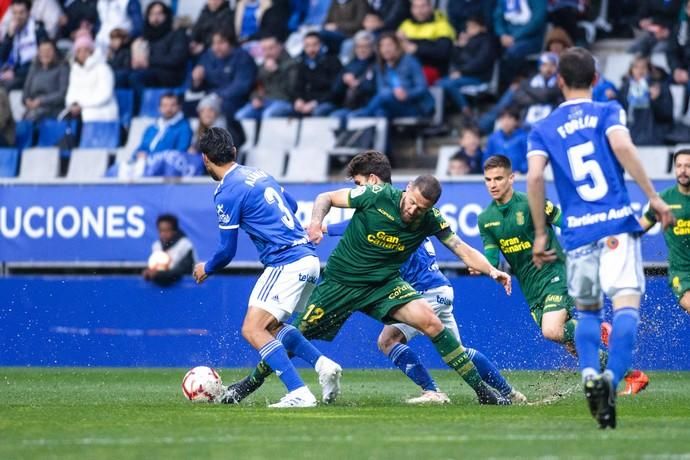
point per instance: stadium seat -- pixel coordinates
(484, 88)
(125, 104)
(250, 132)
(136, 132)
(24, 134)
(16, 97)
(278, 133)
(87, 164)
(100, 134)
(307, 164)
(51, 132)
(318, 133)
(40, 163)
(444, 154)
(150, 99)
(9, 160)
(617, 66)
(381, 129)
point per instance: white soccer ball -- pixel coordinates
(159, 260)
(202, 384)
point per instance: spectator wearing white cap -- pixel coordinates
(210, 114)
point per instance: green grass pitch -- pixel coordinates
(141, 413)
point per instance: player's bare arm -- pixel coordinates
(323, 203)
(625, 151)
(474, 259)
(537, 203)
(199, 273)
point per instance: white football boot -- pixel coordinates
(430, 397)
(296, 399)
(330, 373)
(516, 397)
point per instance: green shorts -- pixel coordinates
(332, 303)
(553, 300)
(680, 283)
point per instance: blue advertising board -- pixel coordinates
(116, 222)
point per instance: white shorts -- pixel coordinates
(441, 300)
(611, 266)
(285, 289)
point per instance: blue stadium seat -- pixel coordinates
(9, 161)
(100, 134)
(125, 104)
(150, 98)
(51, 132)
(25, 134)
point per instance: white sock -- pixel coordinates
(588, 373)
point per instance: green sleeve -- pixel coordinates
(554, 215)
(491, 250)
(438, 225)
(363, 196)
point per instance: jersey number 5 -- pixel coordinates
(582, 169)
(271, 196)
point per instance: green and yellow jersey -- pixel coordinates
(377, 242)
(508, 228)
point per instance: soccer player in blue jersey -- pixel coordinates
(589, 147)
(250, 199)
(422, 272)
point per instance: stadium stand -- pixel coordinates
(9, 160)
(100, 134)
(40, 163)
(87, 164)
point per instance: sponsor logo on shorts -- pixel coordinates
(307, 278)
(402, 291)
(612, 243)
(444, 300)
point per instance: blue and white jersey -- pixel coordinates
(250, 199)
(421, 269)
(588, 176)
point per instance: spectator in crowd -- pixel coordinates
(170, 131)
(678, 51)
(344, 19)
(537, 96)
(226, 70)
(159, 57)
(471, 61)
(459, 165)
(216, 15)
(356, 84)
(401, 89)
(656, 18)
(210, 114)
(47, 12)
(91, 90)
(565, 15)
(390, 13)
(118, 14)
(459, 11)
(79, 14)
(120, 56)
(604, 90)
(509, 140)
(7, 126)
(429, 37)
(646, 97)
(172, 255)
(19, 45)
(557, 40)
(470, 150)
(520, 26)
(257, 18)
(46, 85)
(316, 72)
(272, 96)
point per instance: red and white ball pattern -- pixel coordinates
(202, 384)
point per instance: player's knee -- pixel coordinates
(429, 324)
(389, 337)
(552, 332)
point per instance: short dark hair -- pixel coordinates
(169, 218)
(169, 95)
(225, 34)
(512, 111)
(313, 34)
(679, 153)
(498, 161)
(428, 186)
(218, 146)
(577, 68)
(471, 129)
(370, 162)
(26, 3)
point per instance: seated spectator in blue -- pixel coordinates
(258, 18)
(210, 116)
(356, 84)
(646, 97)
(401, 88)
(343, 21)
(159, 56)
(170, 131)
(604, 90)
(470, 149)
(520, 26)
(227, 70)
(46, 85)
(120, 57)
(272, 96)
(316, 72)
(509, 140)
(471, 61)
(172, 255)
(215, 15)
(19, 46)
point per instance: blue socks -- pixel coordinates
(407, 361)
(276, 357)
(294, 342)
(489, 372)
(622, 342)
(588, 341)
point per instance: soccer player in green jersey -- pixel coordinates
(677, 237)
(506, 227)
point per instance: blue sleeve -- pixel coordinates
(339, 228)
(145, 145)
(136, 17)
(420, 87)
(229, 214)
(536, 145)
(614, 117)
(185, 138)
(225, 252)
(490, 146)
(243, 81)
(290, 200)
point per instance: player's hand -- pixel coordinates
(199, 273)
(540, 255)
(315, 232)
(662, 211)
(503, 278)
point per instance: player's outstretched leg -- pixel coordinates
(491, 375)
(236, 392)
